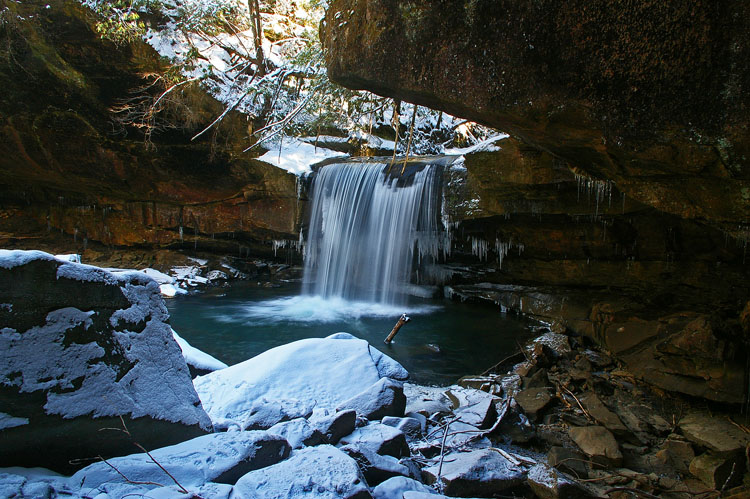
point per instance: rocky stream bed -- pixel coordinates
(324, 417)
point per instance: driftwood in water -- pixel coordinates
(401, 321)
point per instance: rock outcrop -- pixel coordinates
(71, 162)
(619, 206)
(648, 95)
(81, 348)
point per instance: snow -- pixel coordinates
(75, 258)
(312, 472)
(10, 259)
(191, 463)
(488, 145)
(197, 358)
(373, 141)
(384, 398)
(159, 277)
(188, 275)
(320, 372)
(297, 156)
(298, 432)
(33, 482)
(394, 488)
(170, 291)
(7, 421)
(15, 258)
(379, 438)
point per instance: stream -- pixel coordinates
(444, 340)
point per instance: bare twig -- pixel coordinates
(729, 478)
(585, 412)
(439, 482)
(125, 430)
(221, 117)
(134, 482)
(506, 359)
(744, 428)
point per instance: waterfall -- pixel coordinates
(367, 230)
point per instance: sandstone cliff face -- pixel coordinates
(652, 96)
(68, 164)
(620, 206)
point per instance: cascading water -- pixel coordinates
(367, 229)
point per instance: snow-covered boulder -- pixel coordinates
(315, 372)
(80, 347)
(474, 407)
(410, 426)
(482, 473)
(313, 472)
(396, 487)
(334, 425)
(379, 438)
(374, 467)
(384, 398)
(33, 482)
(198, 361)
(299, 433)
(219, 457)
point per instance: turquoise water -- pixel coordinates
(444, 340)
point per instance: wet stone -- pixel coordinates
(598, 443)
(715, 433)
(601, 413)
(548, 483)
(533, 400)
(717, 471)
(481, 473)
(568, 461)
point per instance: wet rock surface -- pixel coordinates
(604, 430)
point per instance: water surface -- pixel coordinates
(444, 340)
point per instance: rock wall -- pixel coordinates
(619, 208)
(535, 238)
(68, 163)
(649, 95)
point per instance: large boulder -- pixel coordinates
(480, 473)
(384, 398)
(597, 443)
(81, 348)
(315, 372)
(379, 438)
(322, 471)
(219, 457)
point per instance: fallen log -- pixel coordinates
(401, 321)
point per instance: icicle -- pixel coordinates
(479, 248)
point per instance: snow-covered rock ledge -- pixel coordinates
(80, 347)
